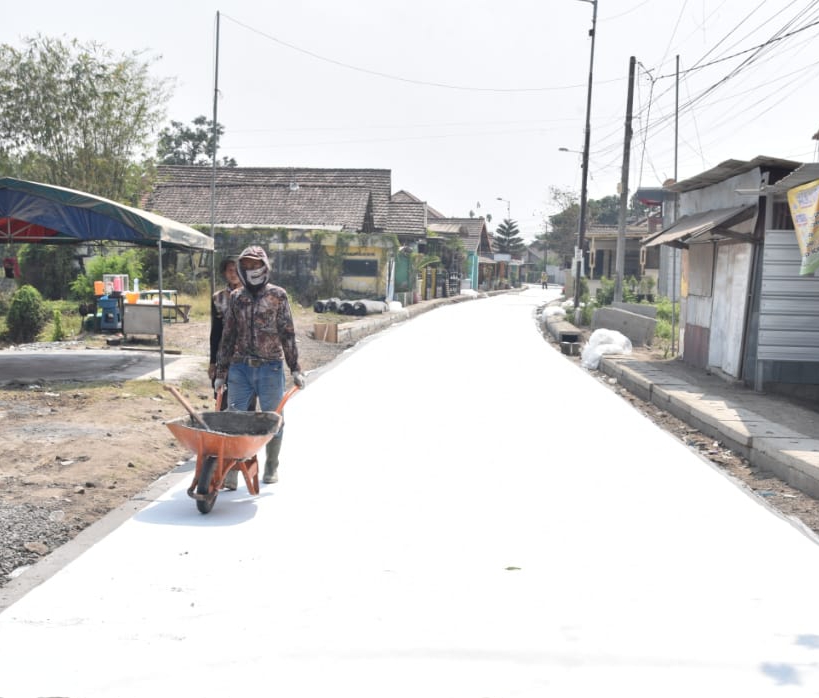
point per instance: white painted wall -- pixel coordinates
(731, 281)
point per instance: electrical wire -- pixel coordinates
(399, 78)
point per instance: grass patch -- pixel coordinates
(199, 303)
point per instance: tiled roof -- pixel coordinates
(403, 196)
(470, 230)
(407, 218)
(263, 195)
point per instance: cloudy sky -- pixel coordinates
(469, 101)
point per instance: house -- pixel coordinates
(329, 230)
(602, 241)
(746, 313)
(474, 242)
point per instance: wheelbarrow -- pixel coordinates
(224, 441)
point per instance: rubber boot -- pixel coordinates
(232, 480)
(271, 461)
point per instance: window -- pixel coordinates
(359, 267)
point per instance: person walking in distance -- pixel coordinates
(258, 339)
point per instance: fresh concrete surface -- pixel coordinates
(771, 432)
(476, 542)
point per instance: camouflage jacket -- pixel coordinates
(258, 326)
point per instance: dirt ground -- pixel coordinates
(74, 452)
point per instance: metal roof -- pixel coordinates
(801, 175)
(730, 168)
(701, 223)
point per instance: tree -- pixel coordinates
(191, 145)
(49, 268)
(77, 115)
(605, 211)
(507, 238)
(562, 237)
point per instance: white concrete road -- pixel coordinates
(461, 512)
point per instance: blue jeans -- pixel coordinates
(266, 382)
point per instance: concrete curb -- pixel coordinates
(351, 332)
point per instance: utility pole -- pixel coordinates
(581, 232)
(676, 209)
(620, 255)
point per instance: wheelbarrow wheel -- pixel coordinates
(203, 484)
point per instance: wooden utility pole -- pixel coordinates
(620, 255)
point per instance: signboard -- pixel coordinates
(804, 204)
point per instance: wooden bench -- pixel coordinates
(183, 311)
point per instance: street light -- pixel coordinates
(508, 207)
(581, 232)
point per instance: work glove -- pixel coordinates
(299, 379)
(218, 384)
(212, 371)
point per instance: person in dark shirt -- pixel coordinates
(258, 339)
(218, 308)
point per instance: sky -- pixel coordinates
(468, 102)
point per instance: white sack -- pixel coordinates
(603, 342)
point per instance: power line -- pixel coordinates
(399, 78)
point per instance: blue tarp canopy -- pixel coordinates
(31, 212)
(42, 213)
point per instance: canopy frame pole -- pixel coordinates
(161, 318)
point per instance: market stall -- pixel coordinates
(32, 212)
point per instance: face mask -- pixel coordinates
(256, 277)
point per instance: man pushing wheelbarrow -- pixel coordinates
(258, 339)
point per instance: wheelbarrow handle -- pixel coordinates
(290, 393)
(172, 389)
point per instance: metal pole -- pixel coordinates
(620, 257)
(161, 316)
(213, 161)
(581, 232)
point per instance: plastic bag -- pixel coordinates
(601, 343)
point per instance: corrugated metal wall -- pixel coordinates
(788, 303)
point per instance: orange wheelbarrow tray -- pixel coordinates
(231, 441)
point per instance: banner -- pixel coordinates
(804, 204)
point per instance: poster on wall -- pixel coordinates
(804, 204)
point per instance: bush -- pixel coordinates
(605, 294)
(587, 313)
(58, 333)
(126, 263)
(664, 310)
(27, 315)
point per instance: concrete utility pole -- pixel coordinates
(676, 209)
(620, 256)
(581, 232)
